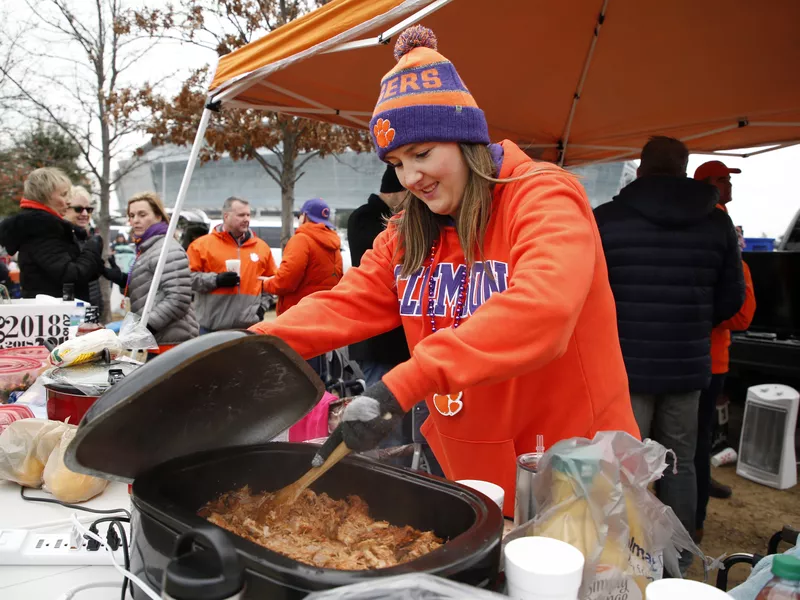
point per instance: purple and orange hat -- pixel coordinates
(317, 211)
(423, 99)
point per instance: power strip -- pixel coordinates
(25, 547)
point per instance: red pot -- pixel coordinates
(72, 390)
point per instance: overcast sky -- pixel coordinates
(766, 194)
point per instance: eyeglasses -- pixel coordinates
(80, 209)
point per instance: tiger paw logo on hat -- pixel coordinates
(423, 99)
(384, 134)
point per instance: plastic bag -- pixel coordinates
(133, 336)
(86, 348)
(25, 447)
(414, 586)
(593, 494)
(89, 348)
(67, 485)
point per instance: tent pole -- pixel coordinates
(577, 96)
(176, 212)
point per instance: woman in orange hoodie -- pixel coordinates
(496, 272)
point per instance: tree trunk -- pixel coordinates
(287, 185)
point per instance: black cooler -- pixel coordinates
(195, 423)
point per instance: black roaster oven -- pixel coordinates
(195, 423)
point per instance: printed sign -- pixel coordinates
(25, 323)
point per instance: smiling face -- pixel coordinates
(80, 210)
(434, 172)
(141, 216)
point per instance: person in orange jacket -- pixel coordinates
(719, 175)
(226, 299)
(495, 270)
(311, 261)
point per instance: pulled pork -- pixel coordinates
(320, 531)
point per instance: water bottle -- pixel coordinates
(76, 318)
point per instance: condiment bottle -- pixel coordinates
(785, 582)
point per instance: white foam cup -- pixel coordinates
(685, 589)
(234, 264)
(494, 491)
(541, 568)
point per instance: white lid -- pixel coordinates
(546, 565)
(494, 491)
(685, 589)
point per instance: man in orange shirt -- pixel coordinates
(719, 175)
(225, 299)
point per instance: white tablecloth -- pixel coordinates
(48, 583)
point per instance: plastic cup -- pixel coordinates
(685, 589)
(234, 264)
(726, 457)
(540, 568)
(495, 492)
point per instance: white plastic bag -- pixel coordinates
(25, 447)
(67, 485)
(86, 348)
(89, 348)
(593, 494)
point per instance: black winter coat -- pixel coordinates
(49, 254)
(676, 272)
(363, 226)
(95, 297)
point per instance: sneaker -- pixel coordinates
(718, 490)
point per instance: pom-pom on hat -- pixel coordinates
(423, 99)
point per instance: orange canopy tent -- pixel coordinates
(571, 82)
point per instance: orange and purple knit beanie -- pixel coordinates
(423, 99)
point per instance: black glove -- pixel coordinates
(227, 279)
(95, 244)
(368, 419)
(261, 312)
(113, 262)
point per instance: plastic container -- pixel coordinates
(17, 373)
(683, 589)
(13, 412)
(494, 491)
(759, 244)
(540, 568)
(785, 583)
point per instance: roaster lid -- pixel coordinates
(224, 389)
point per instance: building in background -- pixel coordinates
(344, 181)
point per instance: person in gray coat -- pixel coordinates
(172, 319)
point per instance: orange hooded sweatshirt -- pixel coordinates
(311, 262)
(721, 334)
(537, 350)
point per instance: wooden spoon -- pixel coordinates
(292, 491)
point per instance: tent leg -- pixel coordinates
(173, 223)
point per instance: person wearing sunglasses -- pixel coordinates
(79, 213)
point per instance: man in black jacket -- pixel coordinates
(675, 271)
(49, 254)
(377, 355)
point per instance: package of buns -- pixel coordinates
(25, 447)
(67, 485)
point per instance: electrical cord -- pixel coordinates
(141, 584)
(96, 511)
(88, 586)
(122, 538)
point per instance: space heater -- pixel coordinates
(766, 448)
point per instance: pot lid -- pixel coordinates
(91, 379)
(223, 389)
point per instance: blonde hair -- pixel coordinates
(79, 190)
(41, 183)
(154, 200)
(417, 227)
